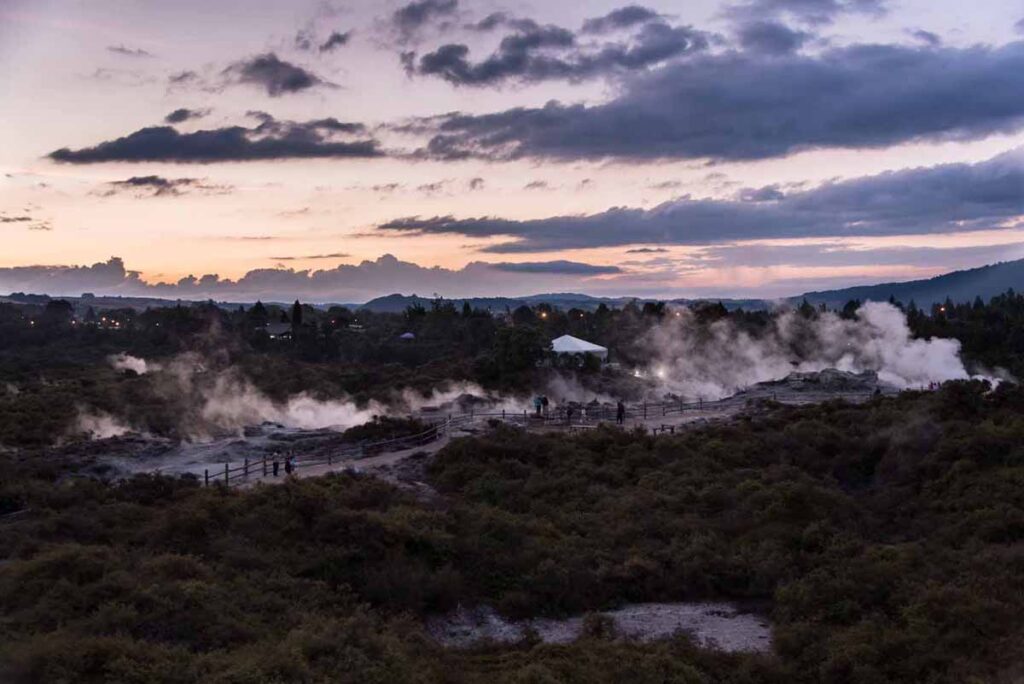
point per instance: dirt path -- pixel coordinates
(371, 464)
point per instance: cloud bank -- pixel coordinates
(940, 199)
(740, 106)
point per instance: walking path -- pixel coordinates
(657, 418)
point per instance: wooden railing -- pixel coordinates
(588, 416)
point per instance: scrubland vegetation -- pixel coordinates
(884, 540)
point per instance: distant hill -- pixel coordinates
(960, 286)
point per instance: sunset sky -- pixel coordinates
(341, 150)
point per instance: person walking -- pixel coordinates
(620, 413)
(544, 404)
(537, 403)
(276, 465)
(287, 465)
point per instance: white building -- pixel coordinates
(567, 344)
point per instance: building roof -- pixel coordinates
(567, 344)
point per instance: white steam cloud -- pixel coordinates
(99, 425)
(720, 359)
(124, 361)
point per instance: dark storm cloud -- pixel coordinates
(409, 19)
(771, 37)
(624, 17)
(941, 199)
(271, 139)
(809, 11)
(128, 52)
(335, 40)
(647, 250)
(182, 115)
(15, 219)
(273, 74)
(740, 106)
(534, 52)
(158, 186)
(561, 267)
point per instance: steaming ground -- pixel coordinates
(225, 418)
(718, 360)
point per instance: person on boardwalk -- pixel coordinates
(537, 404)
(620, 413)
(275, 465)
(544, 405)
(568, 415)
(288, 465)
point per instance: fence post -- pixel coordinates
(700, 402)
(645, 409)
(502, 415)
(328, 458)
(264, 465)
(246, 468)
(206, 477)
(227, 479)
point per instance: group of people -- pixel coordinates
(289, 464)
(541, 405)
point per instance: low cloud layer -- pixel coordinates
(947, 198)
(271, 139)
(343, 283)
(738, 105)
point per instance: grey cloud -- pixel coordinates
(771, 37)
(927, 37)
(476, 183)
(809, 11)
(621, 18)
(335, 41)
(740, 106)
(158, 186)
(409, 19)
(276, 76)
(1019, 26)
(344, 282)
(536, 185)
(183, 114)
(271, 139)
(535, 53)
(941, 199)
(128, 52)
(561, 267)
(647, 250)
(840, 255)
(29, 222)
(338, 255)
